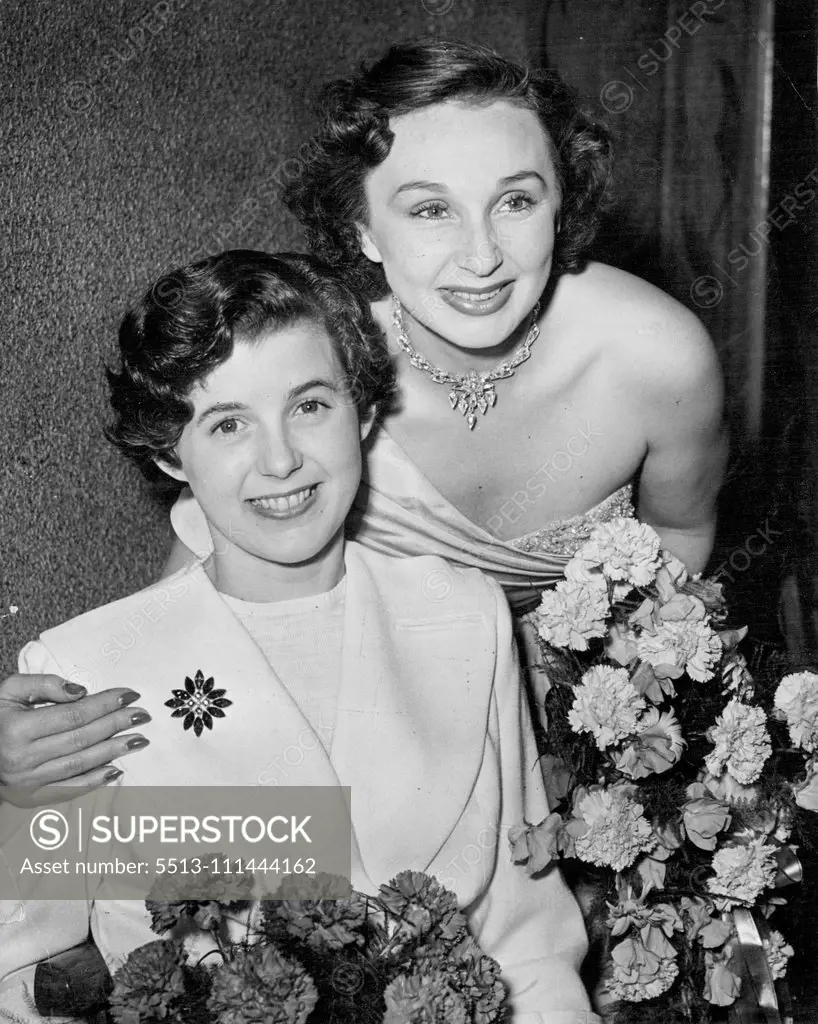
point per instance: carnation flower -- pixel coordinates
(477, 978)
(638, 974)
(741, 742)
(657, 746)
(605, 704)
(321, 924)
(572, 613)
(687, 645)
(797, 698)
(260, 986)
(742, 873)
(421, 903)
(625, 549)
(207, 914)
(423, 999)
(609, 828)
(149, 982)
(778, 952)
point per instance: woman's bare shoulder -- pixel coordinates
(636, 325)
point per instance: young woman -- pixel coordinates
(538, 392)
(241, 390)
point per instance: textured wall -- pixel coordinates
(135, 134)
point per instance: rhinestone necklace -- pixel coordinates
(470, 392)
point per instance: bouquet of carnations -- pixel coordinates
(676, 778)
(401, 957)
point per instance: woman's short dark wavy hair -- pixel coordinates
(187, 323)
(326, 189)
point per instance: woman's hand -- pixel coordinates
(70, 742)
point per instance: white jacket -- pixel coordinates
(432, 735)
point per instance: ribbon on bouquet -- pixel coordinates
(758, 1002)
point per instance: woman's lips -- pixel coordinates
(477, 303)
(287, 506)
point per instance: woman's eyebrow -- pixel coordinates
(316, 382)
(219, 407)
(521, 176)
(429, 186)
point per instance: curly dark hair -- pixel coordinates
(186, 325)
(325, 190)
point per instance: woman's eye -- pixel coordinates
(228, 427)
(518, 202)
(310, 406)
(429, 211)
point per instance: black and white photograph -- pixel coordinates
(409, 534)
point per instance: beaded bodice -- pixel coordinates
(564, 536)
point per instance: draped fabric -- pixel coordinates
(399, 512)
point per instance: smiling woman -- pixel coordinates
(258, 421)
(461, 192)
(501, 224)
(278, 469)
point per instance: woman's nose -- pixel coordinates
(481, 253)
(278, 453)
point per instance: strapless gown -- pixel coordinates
(399, 512)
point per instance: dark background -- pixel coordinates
(138, 135)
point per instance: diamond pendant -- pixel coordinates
(472, 395)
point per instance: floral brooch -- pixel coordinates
(198, 703)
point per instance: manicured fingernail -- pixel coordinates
(111, 774)
(140, 717)
(128, 698)
(74, 689)
(135, 742)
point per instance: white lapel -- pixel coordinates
(412, 715)
(196, 632)
(263, 738)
